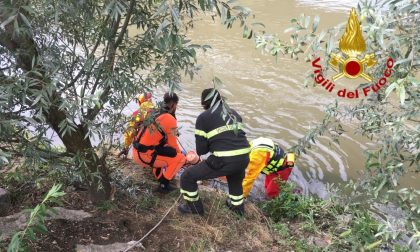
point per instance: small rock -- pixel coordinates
(320, 242)
(68, 214)
(5, 201)
(115, 247)
(12, 223)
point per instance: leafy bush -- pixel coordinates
(289, 205)
(389, 117)
(71, 67)
(105, 206)
(314, 215)
(361, 231)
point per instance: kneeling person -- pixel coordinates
(230, 157)
(156, 144)
(145, 107)
(268, 158)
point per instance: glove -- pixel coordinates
(123, 152)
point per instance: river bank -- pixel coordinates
(289, 223)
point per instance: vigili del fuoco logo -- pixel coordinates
(352, 63)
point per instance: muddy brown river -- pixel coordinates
(270, 95)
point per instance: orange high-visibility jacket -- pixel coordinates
(168, 124)
(138, 117)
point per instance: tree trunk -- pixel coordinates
(25, 52)
(76, 143)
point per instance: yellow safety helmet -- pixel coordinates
(144, 97)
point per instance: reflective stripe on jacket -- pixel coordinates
(213, 134)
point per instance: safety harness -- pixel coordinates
(276, 161)
(279, 160)
(141, 148)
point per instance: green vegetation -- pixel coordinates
(71, 67)
(36, 221)
(389, 117)
(148, 201)
(336, 226)
(281, 229)
(290, 206)
(105, 206)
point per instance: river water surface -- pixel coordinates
(270, 95)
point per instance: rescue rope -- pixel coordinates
(181, 145)
(151, 230)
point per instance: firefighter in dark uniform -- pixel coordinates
(229, 157)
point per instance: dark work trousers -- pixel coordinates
(215, 167)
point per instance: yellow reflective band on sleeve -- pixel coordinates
(200, 133)
(219, 130)
(225, 128)
(231, 152)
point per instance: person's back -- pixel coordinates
(227, 142)
(156, 143)
(270, 159)
(220, 138)
(167, 123)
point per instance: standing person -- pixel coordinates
(145, 106)
(156, 145)
(268, 158)
(230, 157)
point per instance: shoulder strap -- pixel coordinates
(164, 139)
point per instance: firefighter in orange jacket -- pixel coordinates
(268, 158)
(156, 145)
(145, 106)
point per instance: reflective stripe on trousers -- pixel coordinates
(236, 200)
(190, 196)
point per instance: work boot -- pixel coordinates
(192, 207)
(165, 188)
(239, 210)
